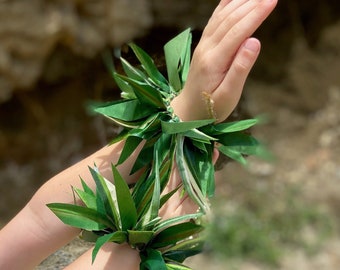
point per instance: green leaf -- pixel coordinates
(171, 266)
(130, 146)
(174, 234)
(153, 210)
(125, 110)
(198, 136)
(188, 180)
(149, 66)
(152, 260)
(149, 129)
(176, 55)
(144, 189)
(145, 156)
(106, 197)
(195, 243)
(80, 217)
(181, 127)
(127, 91)
(86, 188)
(185, 60)
(233, 126)
(145, 93)
(132, 72)
(117, 237)
(242, 143)
(200, 145)
(100, 207)
(126, 124)
(88, 199)
(155, 202)
(233, 154)
(140, 225)
(169, 222)
(201, 167)
(184, 249)
(139, 237)
(164, 147)
(142, 195)
(127, 208)
(87, 196)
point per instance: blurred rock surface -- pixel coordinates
(31, 30)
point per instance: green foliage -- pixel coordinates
(113, 212)
(263, 225)
(80, 217)
(177, 57)
(118, 220)
(146, 113)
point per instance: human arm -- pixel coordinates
(220, 65)
(223, 59)
(240, 65)
(35, 232)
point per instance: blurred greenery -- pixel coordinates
(265, 225)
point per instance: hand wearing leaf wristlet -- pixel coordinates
(219, 68)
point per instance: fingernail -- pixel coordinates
(252, 44)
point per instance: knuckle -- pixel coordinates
(241, 66)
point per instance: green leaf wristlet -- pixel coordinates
(145, 112)
(115, 213)
(115, 218)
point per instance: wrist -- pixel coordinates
(203, 106)
(111, 256)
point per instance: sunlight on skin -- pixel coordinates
(219, 68)
(225, 55)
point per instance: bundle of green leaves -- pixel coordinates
(116, 213)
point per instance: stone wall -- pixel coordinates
(32, 32)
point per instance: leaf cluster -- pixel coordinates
(147, 117)
(114, 213)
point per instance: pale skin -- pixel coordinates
(220, 65)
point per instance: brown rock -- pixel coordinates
(30, 30)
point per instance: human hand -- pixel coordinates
(219, 68)
(220, 65)
(222, 60)
(211, 76)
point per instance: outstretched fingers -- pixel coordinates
(220, 6)
(222, 60)
(240, 25)
(225, 18)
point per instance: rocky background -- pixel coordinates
(52, 55)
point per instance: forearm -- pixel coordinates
(36, 232)
(110, 256)
(25, 241)
(36, 247)
(220, 65)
